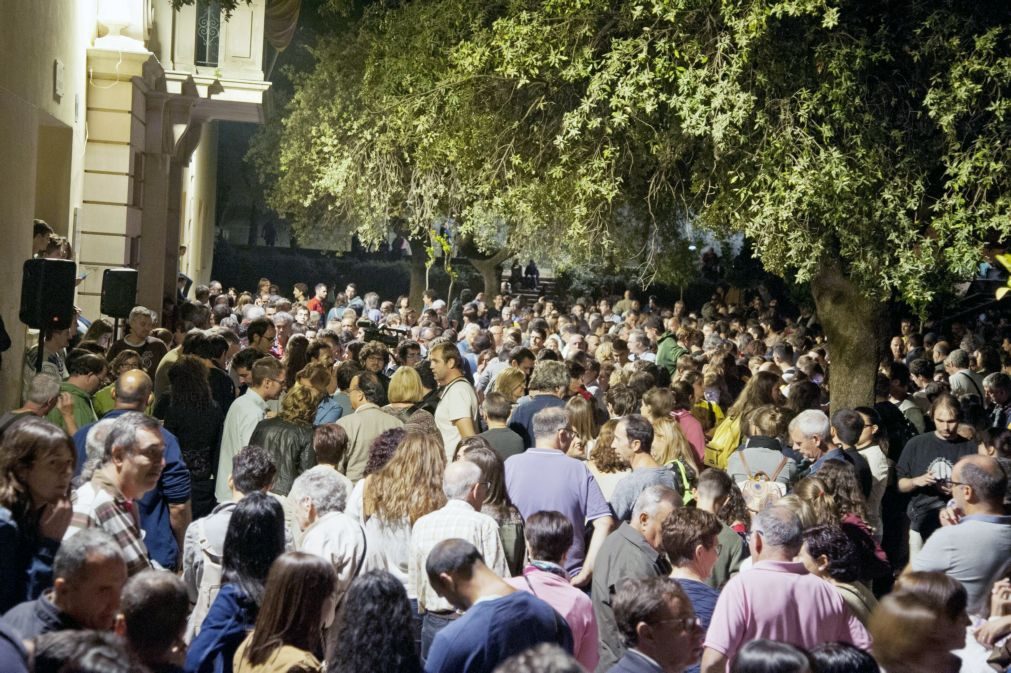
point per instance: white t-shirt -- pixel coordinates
(457, 401)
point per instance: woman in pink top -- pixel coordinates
(690, 426)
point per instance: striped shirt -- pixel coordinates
(100, 504)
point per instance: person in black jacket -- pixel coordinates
(288, 436)
(195, 418)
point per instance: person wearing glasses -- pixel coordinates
(777, 598)
(657, 621)
(691, 540)
(973, 550)
(267, 382)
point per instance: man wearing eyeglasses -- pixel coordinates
(656, 619)
(975, 549)
(266, 383)
(777, 599)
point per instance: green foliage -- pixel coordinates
(868, 134)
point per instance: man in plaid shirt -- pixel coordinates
(132, 465)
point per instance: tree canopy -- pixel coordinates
(870, 136)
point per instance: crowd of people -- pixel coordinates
(334, 482)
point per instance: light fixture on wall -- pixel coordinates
(116, 15)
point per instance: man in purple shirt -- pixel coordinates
(776, 599)
(544, 479)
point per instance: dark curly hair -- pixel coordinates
(374, 632)
(835, 545)
(382, 449)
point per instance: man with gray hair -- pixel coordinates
(165, 511)
(43, 396)
(548, 385)
(461, 517)
(634, 551)
(811, 435)
(319, 496)
(961, 379)
(777, 599)
(94, 450)
(139, 339)
(88, 575)
(997, 390)
(574, 491)
(131, 466)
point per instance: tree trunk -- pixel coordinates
(419, 276)
(854, 325)
(490, 270)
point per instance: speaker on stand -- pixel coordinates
(47, 297)
(119, 295)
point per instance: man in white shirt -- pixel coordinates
(459, 518)
(456, 415)
(267, 384)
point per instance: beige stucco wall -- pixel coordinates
(37, 129)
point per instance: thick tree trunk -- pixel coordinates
(419, 277)
(490, 270)
(854, 325)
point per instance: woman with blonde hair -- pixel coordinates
(605, 465)
(406, 394)
(289, 436)
(404, 490)
(583, 424)
(762, 451)
(672, 450)
(511, 382)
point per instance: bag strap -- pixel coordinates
(779, 469)
(747, 468)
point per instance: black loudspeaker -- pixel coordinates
(47, 293)
(119, 292)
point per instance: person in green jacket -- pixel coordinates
(670, 347)
(87, 374)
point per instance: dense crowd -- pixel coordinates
(334, 482)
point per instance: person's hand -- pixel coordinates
(55, 519)
(990, 632)
(925, 479)
(1000, 598)
(951, 516)
(582, 578)
(65, 404)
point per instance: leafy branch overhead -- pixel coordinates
(865, 135)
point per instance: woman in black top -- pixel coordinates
(192, 415)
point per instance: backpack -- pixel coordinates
(687, 479)
(210, 583)
(759, 489)
(725, 441)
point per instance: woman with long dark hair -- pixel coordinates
(298, 606)
(255, 538)
(36, 466)
(191, 414)
(374, 632)
(497, 505)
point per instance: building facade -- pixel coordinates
(108, 112)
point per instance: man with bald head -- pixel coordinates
(973, 550)
(165, 511)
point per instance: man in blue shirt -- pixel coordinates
(548, 383)
(164, 511)
(499, 620)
